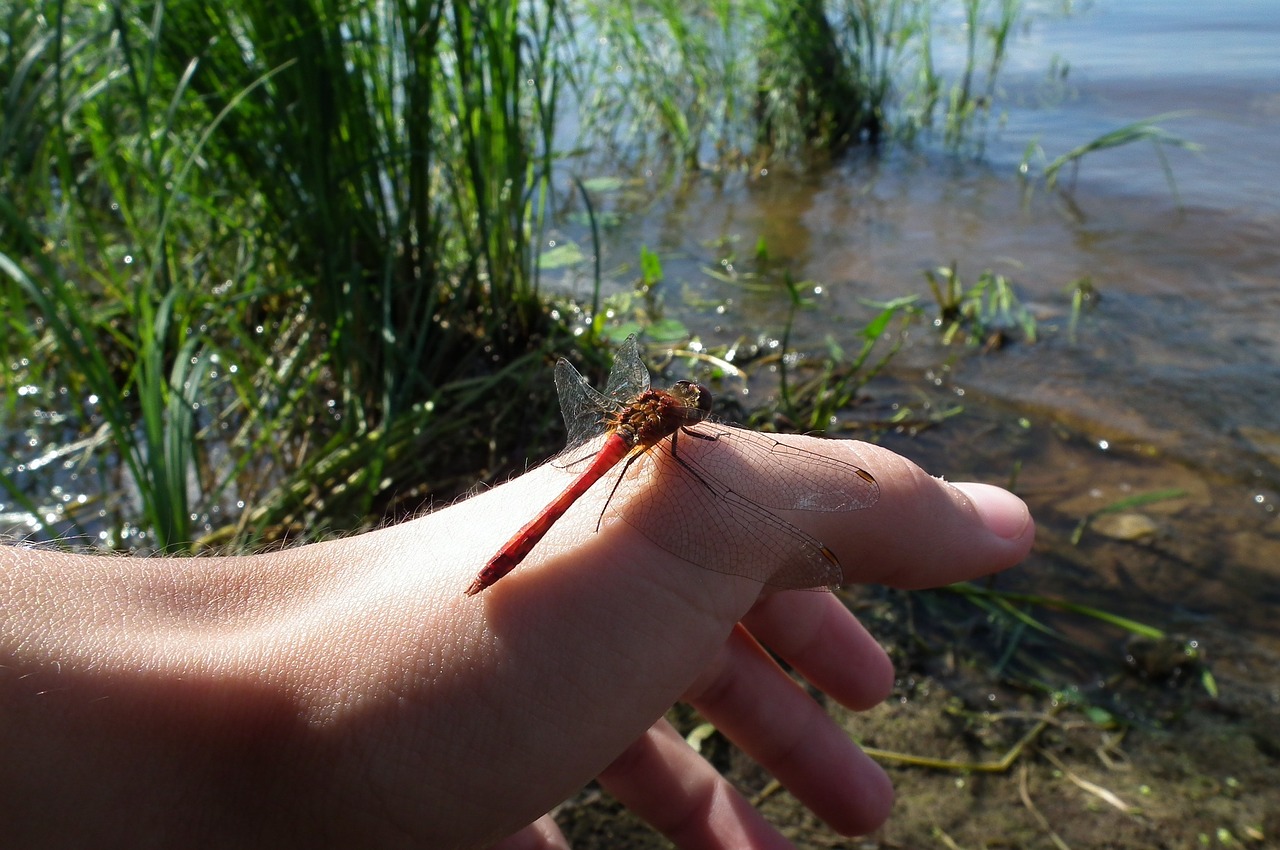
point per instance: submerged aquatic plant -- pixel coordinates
(986, 312)
(1145, 130)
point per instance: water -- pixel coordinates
(1169, 382)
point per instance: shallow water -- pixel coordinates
(1171, 378)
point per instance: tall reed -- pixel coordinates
(747, 81)
(286, 250)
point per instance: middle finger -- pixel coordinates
(762, 710)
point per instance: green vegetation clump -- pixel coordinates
(275, 256)
(271, 269)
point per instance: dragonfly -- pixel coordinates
(714, 487)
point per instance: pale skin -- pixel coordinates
(347, 693)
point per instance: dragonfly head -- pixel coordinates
(694, 396)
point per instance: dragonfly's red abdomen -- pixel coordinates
(515, 550)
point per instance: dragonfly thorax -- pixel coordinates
(656, 414)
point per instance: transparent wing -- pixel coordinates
(709, 491)
(585, 410)
(629, 376)
(707, 505)
(775, 474)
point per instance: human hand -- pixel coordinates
(929, 537)
(752, 701)
(346, 693)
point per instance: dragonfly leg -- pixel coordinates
(675, 455)
(632, 458)
(698, 434)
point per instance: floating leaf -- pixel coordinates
(561, 256)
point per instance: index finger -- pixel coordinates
(922, 532)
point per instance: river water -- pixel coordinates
(1170, 379)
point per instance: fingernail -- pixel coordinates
(1003, 513)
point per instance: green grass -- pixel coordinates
(265, 263)
(745, 83)
(1017, 616)
(299, 237)
(814, 403)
